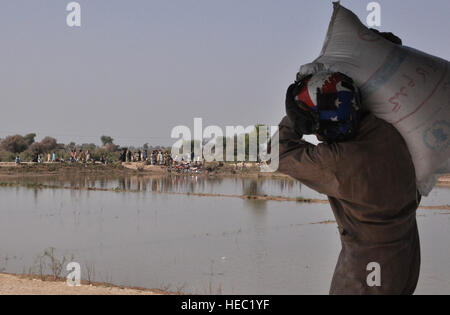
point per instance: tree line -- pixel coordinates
(26, 147)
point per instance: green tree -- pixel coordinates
(106, 140)
(30, 138)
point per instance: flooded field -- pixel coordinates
(182, 184)
(194, 244)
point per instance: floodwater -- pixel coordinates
(283, 187)
(204, 245)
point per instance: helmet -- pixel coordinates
(326, 104)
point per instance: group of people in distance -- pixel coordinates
(151, 157)
(84, 157)
(39, 158)
(155, 157)
(75, 157)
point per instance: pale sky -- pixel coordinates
(137, 68)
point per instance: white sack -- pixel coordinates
(406, 87)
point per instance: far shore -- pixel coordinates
(11, 169)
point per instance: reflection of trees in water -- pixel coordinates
(121, 183)
(35, 195)
(199, 184)
(187, 184)
(250, 187)
(269, 186)
(154, 185)
(103, 183)
(178, 183)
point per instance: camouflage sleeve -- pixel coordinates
(310, 164)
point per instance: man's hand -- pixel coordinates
(301, 119)
(389, 36)
(289, 137)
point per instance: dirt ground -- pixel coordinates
(23, 285)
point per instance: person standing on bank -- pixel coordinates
(364, 167)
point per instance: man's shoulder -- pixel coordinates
(374, 127)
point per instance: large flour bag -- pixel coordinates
(405, 87)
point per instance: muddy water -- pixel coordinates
(184, 184)
(197, 244)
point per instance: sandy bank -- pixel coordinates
(25, 285)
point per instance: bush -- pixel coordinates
(110, 147)
(6, 156)
(27, 156)
(109, 156)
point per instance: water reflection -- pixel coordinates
(150, 239)
(284, 187)
(243, 246)
(252, 186)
